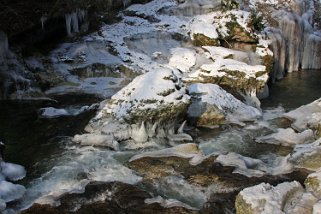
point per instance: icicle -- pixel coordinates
(68, 24)
(181, 128)
(75, 24)
(126, 3)
(152, 130)
(140, 135)
(251, 98)
(4, 46)
(43, 19)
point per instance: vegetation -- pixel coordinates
(256, 22)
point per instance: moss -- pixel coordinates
(238, 33)
(202, 40)
(241, 206)
(256, 22)
(268, 62)
(313, 184)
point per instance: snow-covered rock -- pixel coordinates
(307, 156)
(182, 59)
(212, 105)
(265, 198)
(306, 116)
(287, 137)
(313, 183)
(155, 96)
(203, 32)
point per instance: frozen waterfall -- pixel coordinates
(295, 42)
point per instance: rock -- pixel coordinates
(307, 156)
(306, 116)
(317, 208)
(287, 137)
(162, 97)
(232, 75)
(203, 32)
(313, 183)
(264, 198)
(212, 105)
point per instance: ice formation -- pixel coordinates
(288, 137)
(73, 21)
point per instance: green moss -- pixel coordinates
(202, 40)
(241, 206)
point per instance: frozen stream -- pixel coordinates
(54, 164)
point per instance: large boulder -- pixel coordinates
(155, 96)
(306, 116)
(212, 105)
(265, 198)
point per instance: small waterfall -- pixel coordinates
(295, 43)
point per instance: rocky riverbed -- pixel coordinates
(161, 112)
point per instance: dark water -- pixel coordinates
(296, 89)
(31, 139)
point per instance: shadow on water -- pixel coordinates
(29, 138)
(296, 89)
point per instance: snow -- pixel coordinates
(203, 25)
(287, 137)
(265, 198)
(182, 59)
(234, 110)
(160, 89)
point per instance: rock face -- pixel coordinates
(212, 105)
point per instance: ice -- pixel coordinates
(72, 170)
(180, 189)
(168, 203)
(51, 112)
(3, 205)
(12, 171)
(139, 134)
(288, 137)
(188, 151)
(96, 140)
(10, 192)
